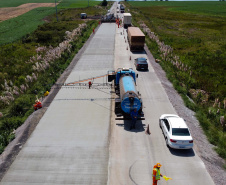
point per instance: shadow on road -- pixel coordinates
(139, 52)
(139, 126)
(182, 153)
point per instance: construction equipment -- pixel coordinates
(129, 98)
(108, 18)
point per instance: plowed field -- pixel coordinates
(11, 12)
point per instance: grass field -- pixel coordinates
(199, 7)
(197, 33)
(15, 3)
(15, 28)
(63, 3)
(77, 3)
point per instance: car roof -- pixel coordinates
(141, 59)
(177, 122)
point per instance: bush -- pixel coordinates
(20, 106)
(8, 124)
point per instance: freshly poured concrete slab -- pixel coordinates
(70, 143)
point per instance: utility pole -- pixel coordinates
(56, 10)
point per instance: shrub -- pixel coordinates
(8, 124)
(20, 106)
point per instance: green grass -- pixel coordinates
(77, 3)
(15, 3)
(199, 7)
(14, 29)
(63, 4)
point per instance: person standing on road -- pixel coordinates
(133, 115)
(90, 84)
(156, 173)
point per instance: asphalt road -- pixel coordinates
(78, 140)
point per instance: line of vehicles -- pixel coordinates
(175, 130)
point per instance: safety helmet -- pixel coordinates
(158, 165)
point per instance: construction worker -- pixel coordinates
(90, 84)
(37, 105)
(156, 173)
(133, 115)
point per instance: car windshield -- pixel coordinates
(180, 132)
(141, 60)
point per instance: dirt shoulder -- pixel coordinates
(11, 12)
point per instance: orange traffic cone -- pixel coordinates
(147, 131)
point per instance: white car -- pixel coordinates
(176, 131)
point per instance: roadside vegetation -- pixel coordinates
(31, 63)
(190, 40)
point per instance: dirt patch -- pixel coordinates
(11, 12)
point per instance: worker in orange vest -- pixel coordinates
(37, 105)
(156, 173)
(90, 84)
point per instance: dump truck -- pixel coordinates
(127, 20)
(136, 38)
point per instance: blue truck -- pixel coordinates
(128, 97)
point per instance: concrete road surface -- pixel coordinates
(133, 153)
(70, 145)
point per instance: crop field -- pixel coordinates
(78, 3)
(208, 7)
(195, 32)
(15, 28)
(63, 3)
(13, 3)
